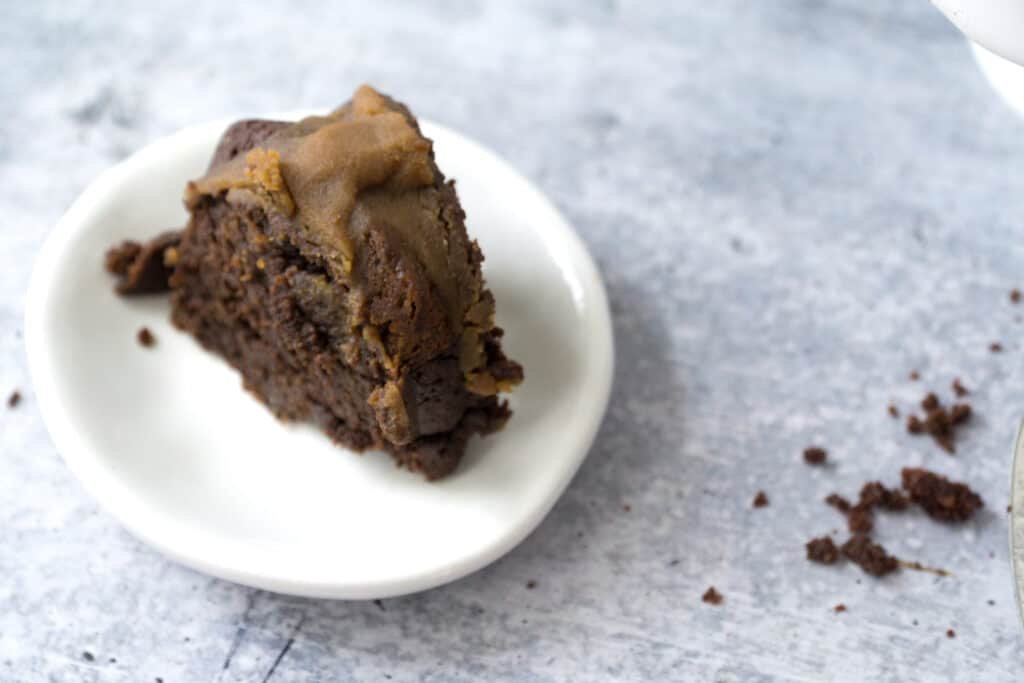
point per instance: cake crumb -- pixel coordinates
(939, 422)
(146, 338)
(88, 656)
(531, 584)
(838, 502)
(839, 608)
(814, 455)
(760, 500)
(995, 347)
(860, 519)
(869, 556)
(822, 550)
(712, 597)
(1015, 295)
(959, 389)
(941, 499)
(14, 399)
(894, 411)
(119, 258)
(876, 494)
(991, 602)
(627, 508)
(950, 633)
(914, 375)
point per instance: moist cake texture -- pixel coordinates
(327, 260)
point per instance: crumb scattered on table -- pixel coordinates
(939, 422)
(712, 597)
(760, 500)
(815, 455)
(14, 399)
(869, 556)
(942, 499)
(146, 338)
(822, 550)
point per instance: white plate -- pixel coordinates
(169, 443)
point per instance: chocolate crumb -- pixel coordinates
(822, 550)
(380, 605)
(760, 500)
(950, 633)
(869, 556)
(876, 494)
(146, 338)
(939, 422)
(839, 608)
(815, 455)
(914, 375)
(88, 656)
(914, 425)
(838, 502)
(860, 520)
(995, 347)
(991, 602)
(144, 268)
(531, 584)
(894, 411)
(14, 399)
(1009, 508)
(942, 499)
(1015, 295)
(119, 259)
(712, 597)
(959, 389)
(627, 508)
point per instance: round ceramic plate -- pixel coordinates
(170, 444)
(1017, 520)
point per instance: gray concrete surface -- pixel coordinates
(793, 205)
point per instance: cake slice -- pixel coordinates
(327, 260)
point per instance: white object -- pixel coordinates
(170, 444)
(1017, 520)
(995, 28)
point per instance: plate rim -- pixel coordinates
(81, 460)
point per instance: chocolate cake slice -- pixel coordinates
(327, 260)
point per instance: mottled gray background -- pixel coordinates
(793, 205)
